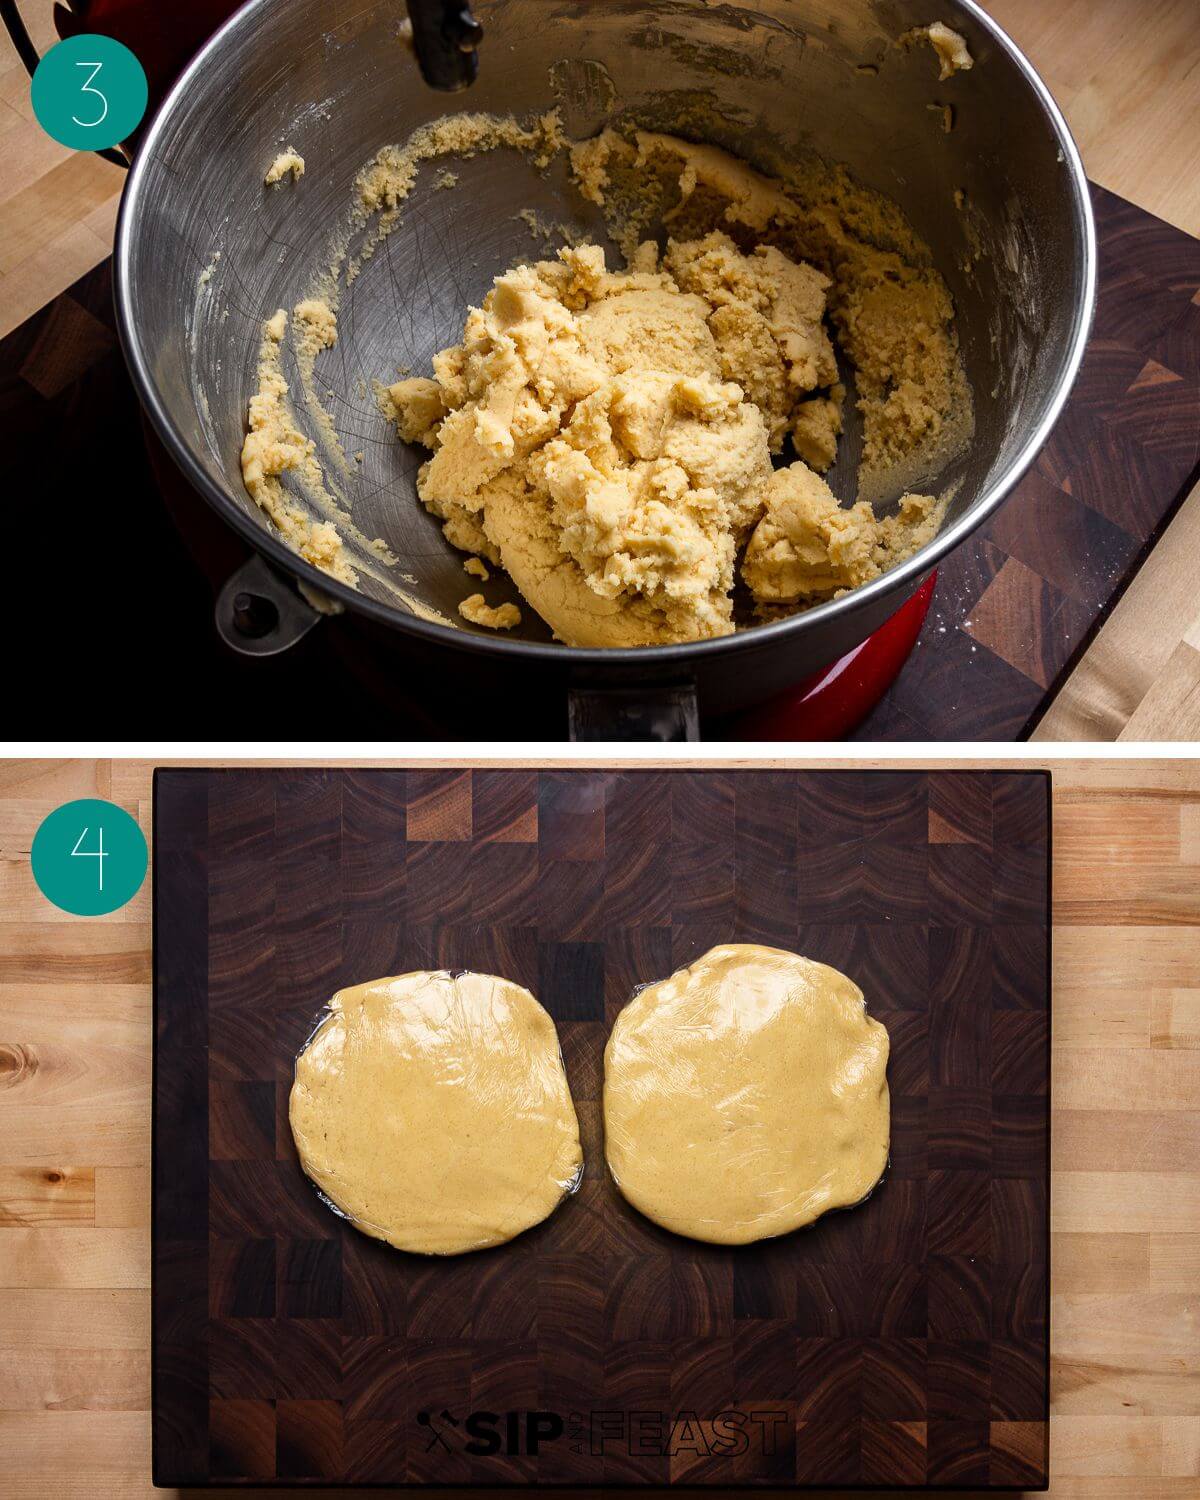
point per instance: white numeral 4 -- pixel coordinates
(98, 854)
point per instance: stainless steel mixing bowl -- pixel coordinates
(205, 253)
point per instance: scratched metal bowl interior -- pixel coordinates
(333, 79)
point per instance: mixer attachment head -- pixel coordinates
(445, 38)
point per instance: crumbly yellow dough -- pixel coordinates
(476, 609)
(314, 326)
(807, 547)
(589, 427)
(889, 307)
(433, 1111)
(606, 434)
(585, 436)
(745, 1096)
(274, 446)
(287, 161)
(952, 52)
(606, 437)
(816, 427)
(388, 178)
(476, 567)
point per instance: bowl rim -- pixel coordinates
(903, 579)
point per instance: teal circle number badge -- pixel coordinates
(89, 92)
(89, 857)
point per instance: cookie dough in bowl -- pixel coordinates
(432, 1111)
(609, 436)
(746, 1095)
(960, 270)
(638, 434)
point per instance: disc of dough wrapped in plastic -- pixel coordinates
(746, 1095)
(432, 1110)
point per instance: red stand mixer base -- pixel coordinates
(832, 702)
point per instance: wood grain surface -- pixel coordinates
(902, 1343)
(1018, 602)
(75, 1147)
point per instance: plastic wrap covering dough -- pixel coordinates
(433, 1112)
(745, 1096)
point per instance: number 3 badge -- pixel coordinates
(89, 92)
(89, 857)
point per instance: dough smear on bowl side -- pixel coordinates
(281, 466)
(432, 1110)
(287, 161)
(274, 446)
(745, 1096)
(315, 522)
(953, 54)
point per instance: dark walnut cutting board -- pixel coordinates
(900, 1343)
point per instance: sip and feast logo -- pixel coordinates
(638, 1434)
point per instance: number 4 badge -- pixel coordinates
(89, 857)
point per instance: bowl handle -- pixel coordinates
(259, 613)
(665, 712)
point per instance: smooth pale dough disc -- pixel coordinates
(433, 1110)
(746, 1095)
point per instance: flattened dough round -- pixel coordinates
(746, 1095)
(432, 1109)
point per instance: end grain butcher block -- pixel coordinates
(901, 1343)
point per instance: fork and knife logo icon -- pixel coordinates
(436, 1435)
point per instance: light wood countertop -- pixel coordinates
(75, 1065)
(1126, 74)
